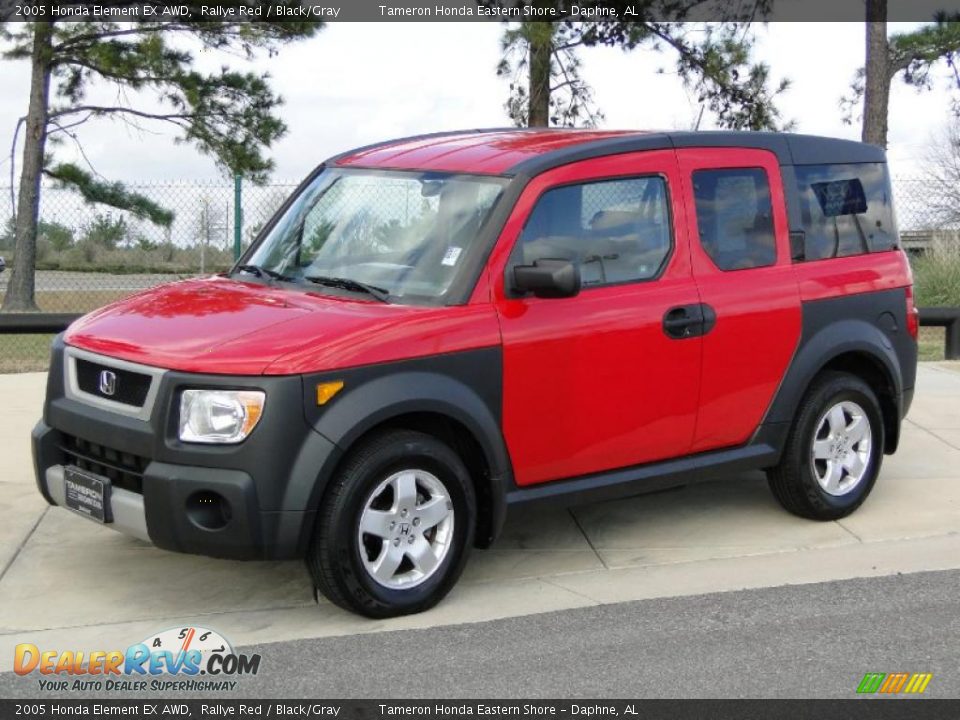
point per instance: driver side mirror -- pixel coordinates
(548, 278)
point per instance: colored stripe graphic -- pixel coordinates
(893, 683)
(918, 682)
(871, 682)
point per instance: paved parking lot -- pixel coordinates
(64, 582)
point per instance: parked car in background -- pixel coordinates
(436, 330)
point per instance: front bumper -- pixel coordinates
(126, 507)
(269, 485)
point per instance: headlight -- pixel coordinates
(219, 416)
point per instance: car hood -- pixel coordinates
(222, 326)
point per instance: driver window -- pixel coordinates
(616, 230)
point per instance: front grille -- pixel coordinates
(124, 469)
(128, 387)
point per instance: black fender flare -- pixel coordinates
(825, 345)
(362, 407)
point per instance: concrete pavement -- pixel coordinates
(65, 582)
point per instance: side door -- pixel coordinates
(740, 254)
(593, 382)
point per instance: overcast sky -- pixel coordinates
(358, 83)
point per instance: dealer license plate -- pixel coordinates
(87, 494)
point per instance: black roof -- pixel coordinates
(790, 148)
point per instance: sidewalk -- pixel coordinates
(65, 582)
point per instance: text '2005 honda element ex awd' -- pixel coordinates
(436, 329)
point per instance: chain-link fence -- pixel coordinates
(916, 213)
(89, 255)
(86, 252)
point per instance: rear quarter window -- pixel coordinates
(845, 209)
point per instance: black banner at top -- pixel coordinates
(472, 10)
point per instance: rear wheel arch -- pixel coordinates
(875, 373)
(852, 346)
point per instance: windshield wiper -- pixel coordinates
(352, 285)
(261, 271)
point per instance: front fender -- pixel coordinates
(464, 387)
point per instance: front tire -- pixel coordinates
(834, 451)
(395, 527)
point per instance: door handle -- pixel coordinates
(688, 321)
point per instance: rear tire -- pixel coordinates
(395, 527)
(834, 451)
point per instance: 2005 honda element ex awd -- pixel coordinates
(435, 330)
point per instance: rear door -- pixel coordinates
(740, 257)
(594, 382)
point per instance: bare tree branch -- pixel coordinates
(73, 136)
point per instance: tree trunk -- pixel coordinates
(20, 291)
(541, 51)
(876, 81)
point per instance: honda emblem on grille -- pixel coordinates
(108, 382)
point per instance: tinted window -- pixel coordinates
(845, 209)
(735, 217)
(617, 230)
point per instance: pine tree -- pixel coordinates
(713, 59)
(228, 115)
(911, 55)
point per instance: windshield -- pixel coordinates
(406, 233)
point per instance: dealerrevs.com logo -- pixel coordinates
(196, 657)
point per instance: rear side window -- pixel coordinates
(735, 217)
(616, 230)
(845, 209)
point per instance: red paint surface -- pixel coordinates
(592, 382)
(480, 152)
(222, 326)
(822, 279)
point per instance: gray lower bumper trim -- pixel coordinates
(127, 507)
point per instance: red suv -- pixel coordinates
(436, 329)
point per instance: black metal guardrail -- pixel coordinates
(949, 319)
(37, 323)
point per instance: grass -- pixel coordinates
(931, 343)
(30, 353)
(936, 276)
(78, 301)
(90, 257)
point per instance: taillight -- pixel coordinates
(913, 315)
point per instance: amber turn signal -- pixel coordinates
(326, 391)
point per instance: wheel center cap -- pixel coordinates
(840, 447)
(405, 528)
